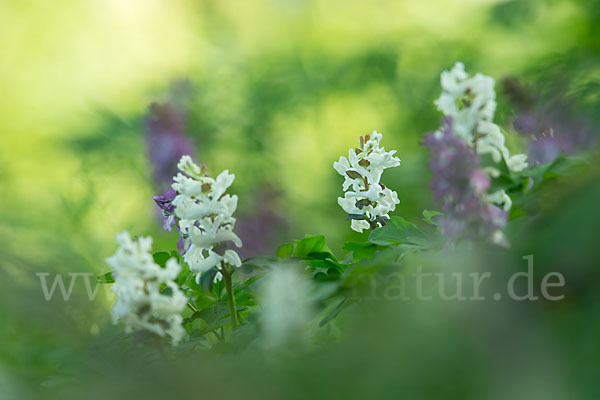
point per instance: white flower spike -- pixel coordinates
(205, 215)
(471, 103)
(138, 279)
(369, 202)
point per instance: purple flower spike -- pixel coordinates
(479, 181)
(550, 122)
(453, 164)
(459, 184)
(167, 141)
(262, 229)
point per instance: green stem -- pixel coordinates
(194, 309)
(216, 333)
(230, 297)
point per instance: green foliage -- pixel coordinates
(207, 280)
(310, 244)
(105, 278)
(524, 187)
(400, 231)
(285, 250)
(161, 258)
(208, 319)
(361, 250)
(431, 216)
(334, 313)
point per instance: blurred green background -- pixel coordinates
(279, 89)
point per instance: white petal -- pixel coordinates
(359, 225)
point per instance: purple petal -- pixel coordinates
(165, 201)
(168, 223)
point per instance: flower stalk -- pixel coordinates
(227, 277)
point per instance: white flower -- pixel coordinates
(138, 280)
(205, 215)
(285, 303)
(369, 202)
(467, 100)
(517, 162)
(471, 102)
(501, 199)
(189, 167)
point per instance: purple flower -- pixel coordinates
(181, 244)
(479, 181)
(167, 141)
(552, 133)
(165, 203)
(459, 184)
(262, 229)
(550, 124)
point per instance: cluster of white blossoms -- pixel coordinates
(369, 202)
(138, 280)
(205, 215)
(471, 103)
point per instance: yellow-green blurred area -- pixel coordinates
(279, 89)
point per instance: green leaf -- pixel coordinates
(243, 336)
(285, 250)
(161, 258)
(323, 291)
(320, 277)
(322, 255)
(214, 317)
(195, 326)
(214, 313)
(246, 268)
(183, 276)
(361, 250)
(105, 278)
(259, 263)
(207, 280)
(175, 254)
(191, 283)
(218, 289)
(430, 216)
(561, 166)
(399, 231)
(517, 212)
(245, 299)
(326, 264)
(246, 284)
(535, 178)
(310, 244)
(202, 302)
